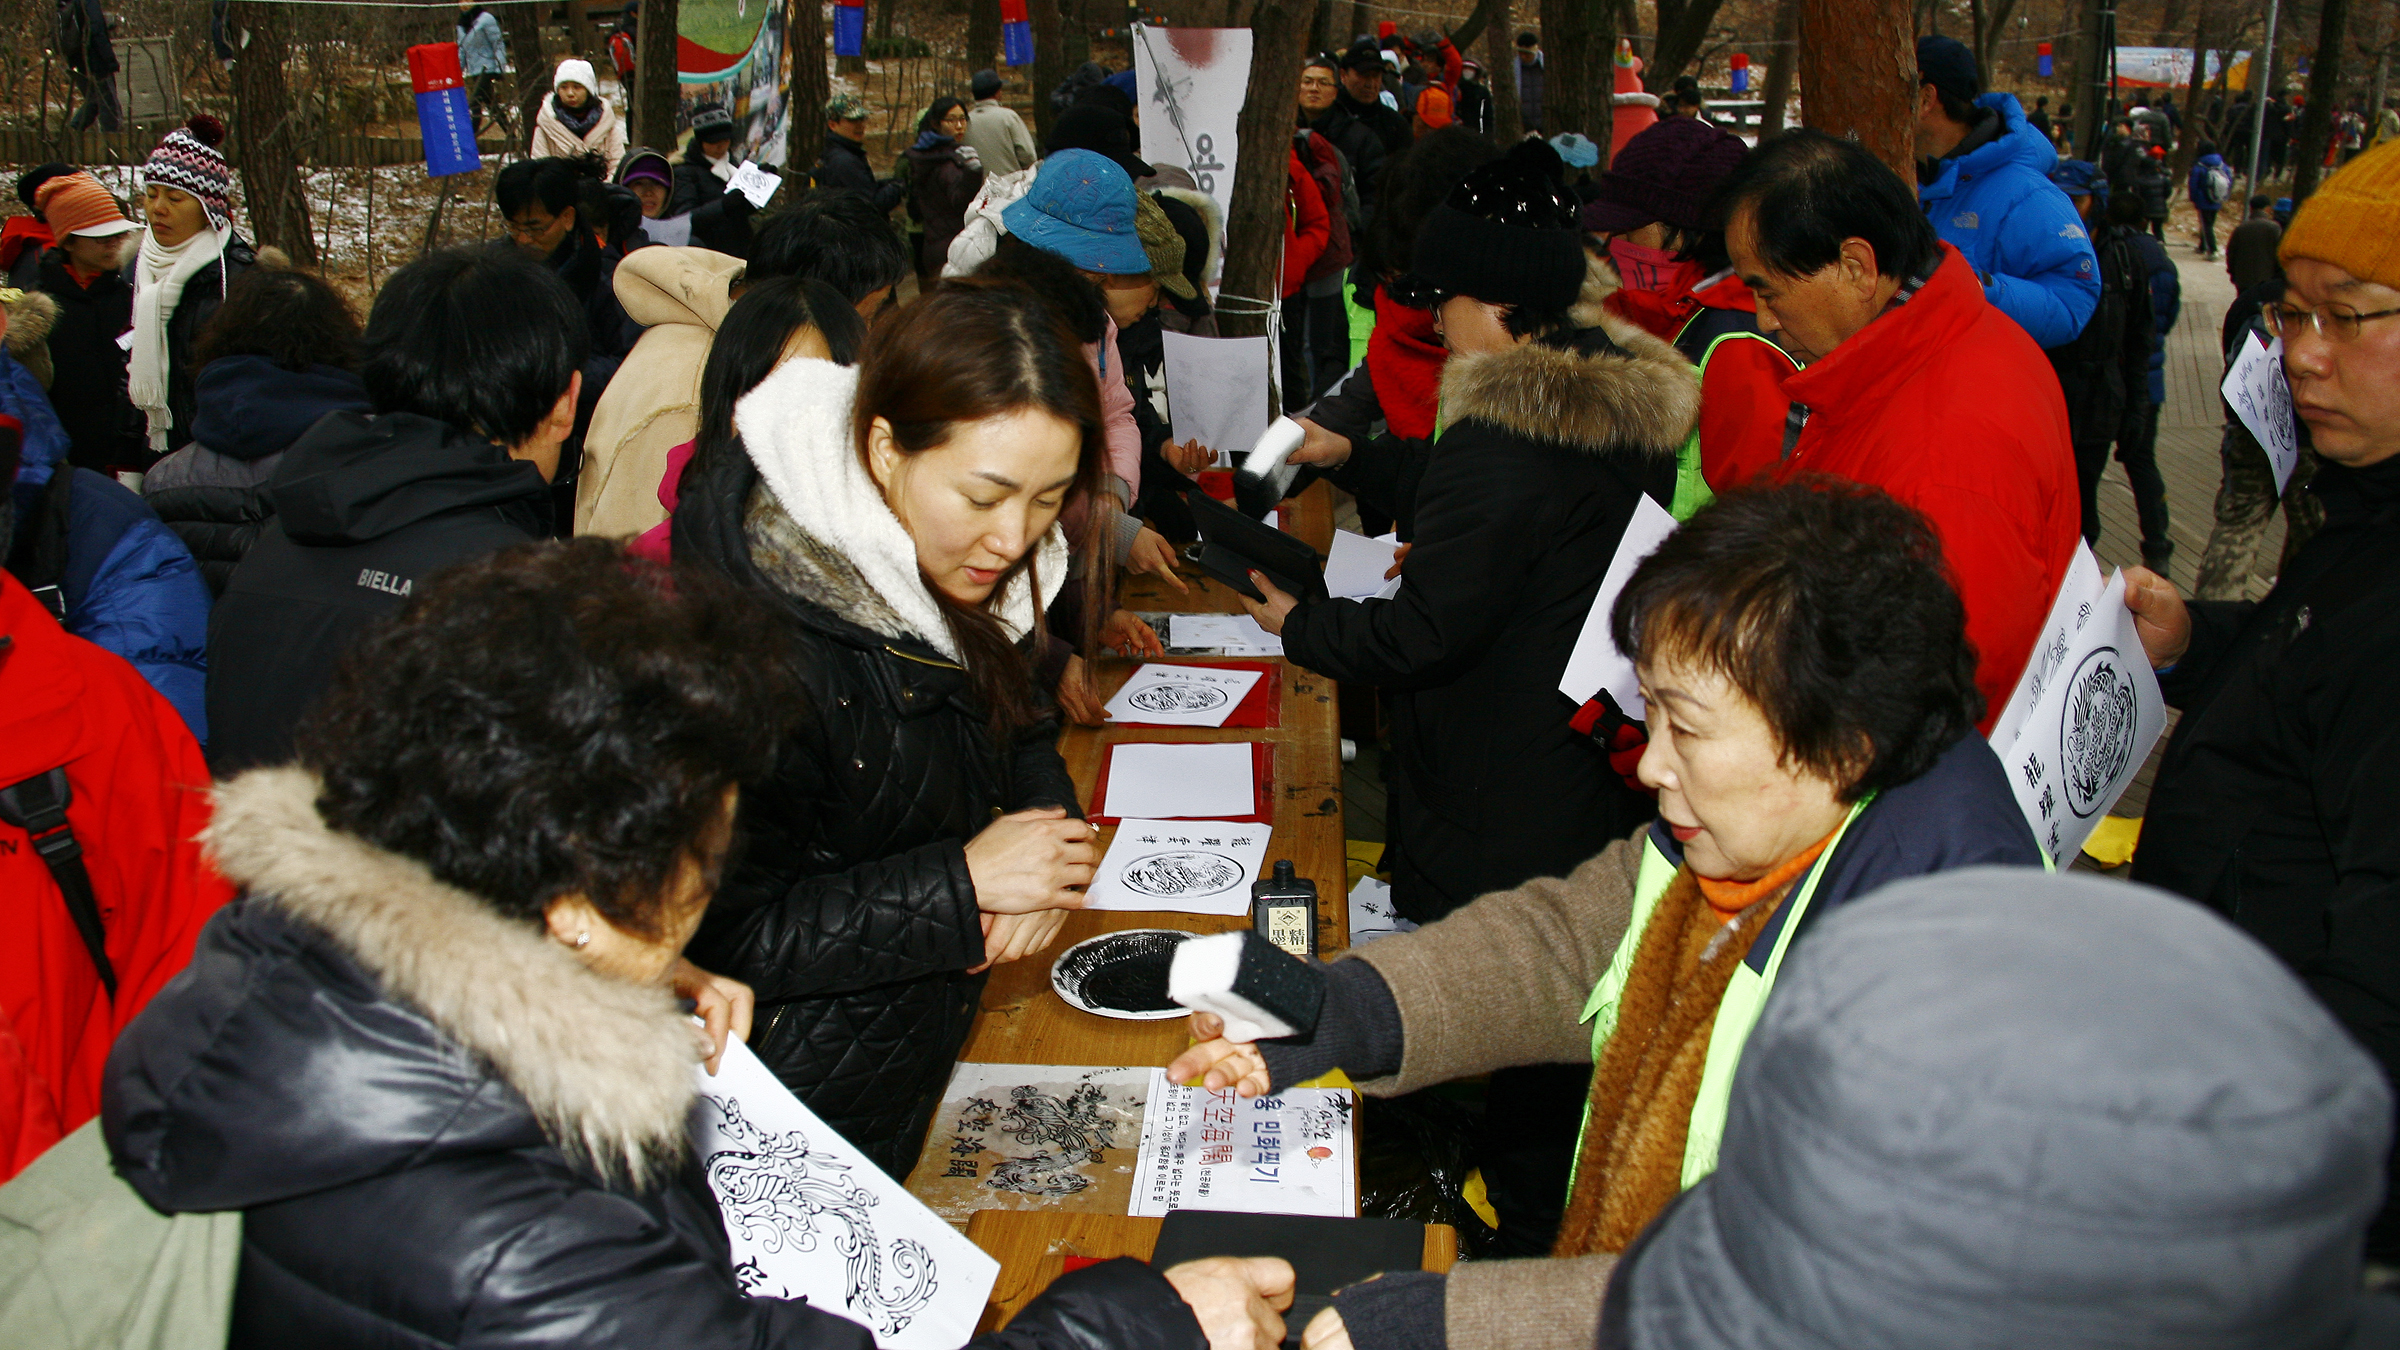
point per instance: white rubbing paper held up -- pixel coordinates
(2088, 732)
(755, 183)
(810, 1217)
(1153, 780)
(1187, 866)
(2258, 393)
(1354, 568)
(1217, 388)
(1596, 664)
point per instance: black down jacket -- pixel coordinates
(851, 911)
(1519, 509)
(201, 296)
(347, 1062)
(88, 388)
(212, 493)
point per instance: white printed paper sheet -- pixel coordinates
(1354, 568)
(2078, 593)
(1184, 866)
(1292, 1152)
(2090, 726)
(810, 1217)
(2259, 394)
(1231, 634)
(1596, 664)
(1166, 695)
(754, 182)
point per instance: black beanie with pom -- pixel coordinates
(1506, 236)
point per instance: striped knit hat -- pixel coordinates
(188, 161)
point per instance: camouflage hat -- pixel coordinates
(845, 108)
(1164, 243)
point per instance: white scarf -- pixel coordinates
(721, 166)
(796, 425)
(158, 279)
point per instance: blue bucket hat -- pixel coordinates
(2080, 178)
(1081, 208)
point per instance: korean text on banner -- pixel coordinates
(2262, 398)
(443, 115)
(1191, 83)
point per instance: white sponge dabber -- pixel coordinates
(1260, 990)
(1264, 476)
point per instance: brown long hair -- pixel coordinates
(968, 351)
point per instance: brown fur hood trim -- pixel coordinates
(1645, 399)
(31, 316)
(605, 1065)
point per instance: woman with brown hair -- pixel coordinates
(903, 517)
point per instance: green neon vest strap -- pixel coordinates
(1737, 1011)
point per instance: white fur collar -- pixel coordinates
(605, 1065)
(796, 424)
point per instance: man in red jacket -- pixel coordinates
(138, 795)
(1910, 380)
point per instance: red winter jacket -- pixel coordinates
(1946, 404)
(1742, 403)
(140, 799)
(1305, 227)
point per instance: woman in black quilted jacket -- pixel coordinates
(432, 1053)
(902, 516)
(279, 353)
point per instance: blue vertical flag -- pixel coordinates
(849, 27)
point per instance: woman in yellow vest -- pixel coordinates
(1812, 711)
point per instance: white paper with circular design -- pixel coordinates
(1188, 866)
(1159, 694)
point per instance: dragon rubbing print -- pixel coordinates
(774, 1189)
(1068, 1132)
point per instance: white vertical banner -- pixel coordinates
(1190, 84)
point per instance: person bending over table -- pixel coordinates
(902, 520)
(1812, 709)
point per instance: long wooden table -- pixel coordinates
(1022, 1021)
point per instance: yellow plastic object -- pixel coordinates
(1479, 1201)
(1331, 1078)
(2113, 840)
(1365, 858)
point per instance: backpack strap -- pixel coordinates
(38, 806)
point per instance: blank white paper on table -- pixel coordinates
(1183, 866)
(1233, 634)
(1596, 664)
(1151, 780)
(1181, 696)
(810, 1217)
(1355, 567)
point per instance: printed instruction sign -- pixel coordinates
(2090, 725)
(1186, 866)
(1289, 1152)
(810, 1217)
(2259, 395)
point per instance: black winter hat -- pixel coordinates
(986, 84)
(711, 122)
(1947, 65)
(1364, 56)
(1088, 126)
(1506, 236)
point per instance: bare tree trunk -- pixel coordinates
(2190, 149)
(1361, 22)
(983, 42)
(1600, 77)
(1996, 14)
(2091, 78)
(1320, 27)
(523, 33)
(1683, 27)
(1473, 25)
(583, 36)
(270, 146)
(652, 99)
(883, 18)
(1567, 90)
(2324, 88)
(1500, 67)
(1049, 64)
(1075, 27)
(804, 132)
(1780, 65)
(1858, 63)
(1254, 219)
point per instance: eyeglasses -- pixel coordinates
(2335, 323)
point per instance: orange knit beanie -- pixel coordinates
(75, 203)
(2353, 221)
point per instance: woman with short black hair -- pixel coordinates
(434, 1053)
(280, 353)
(1812, 710)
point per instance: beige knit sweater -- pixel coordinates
(1500, 983)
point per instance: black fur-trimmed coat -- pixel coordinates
(443, 1130)
(1532, 478)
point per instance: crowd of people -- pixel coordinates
(410, 722)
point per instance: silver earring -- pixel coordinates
(583, 940)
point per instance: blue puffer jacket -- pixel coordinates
(1995, 202)
(2202, 198)
(129, 585)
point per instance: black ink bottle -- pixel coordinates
(1283, 910)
